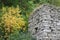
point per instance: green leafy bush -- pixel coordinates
(10, 2)
(21, 36)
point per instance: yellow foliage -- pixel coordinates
(12, 19)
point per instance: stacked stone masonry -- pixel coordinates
(44, 23)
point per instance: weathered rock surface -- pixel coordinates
(44, 23)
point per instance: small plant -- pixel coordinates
(11, 21)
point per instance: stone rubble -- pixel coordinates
(44, 23)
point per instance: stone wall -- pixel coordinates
(44, 23)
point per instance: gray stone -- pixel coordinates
(44, 23)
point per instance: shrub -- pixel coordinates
(10, 2)
(11, 21)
